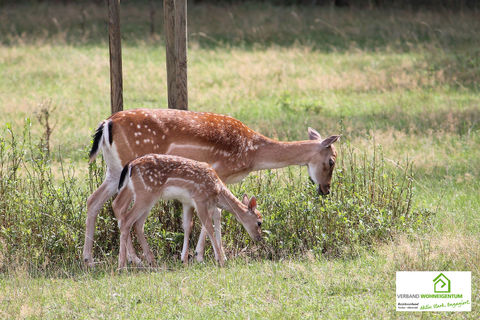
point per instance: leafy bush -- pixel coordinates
(41, 217)
(371, 201)
(43, 208)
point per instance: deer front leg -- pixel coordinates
(206, 219)
(217, 220)
(94, 203)
(187, 229)
(200, 249)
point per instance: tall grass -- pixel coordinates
(42, 212)
(265, 65)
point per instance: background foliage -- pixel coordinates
(409, 4)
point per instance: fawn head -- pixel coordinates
(253, 219)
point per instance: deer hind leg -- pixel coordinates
(94, 203)
(187, 229)
(206, 218)
(125, 224)
(131, 254)
(200, 249)
(123, 248)
(139, 230)
(120, 206)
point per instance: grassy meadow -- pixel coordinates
(402, 83)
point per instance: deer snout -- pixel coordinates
(324, 189)
(259, 238)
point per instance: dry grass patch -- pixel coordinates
(240, 74)
(433, 252)
(429, 152)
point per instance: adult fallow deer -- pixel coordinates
(229, 146)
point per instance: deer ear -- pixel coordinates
(245, 199)
(313, 134)
(329, 141)
(252, 205)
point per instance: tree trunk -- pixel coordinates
(175, 13)
(116, 82)
(181, 53)
(169, 26)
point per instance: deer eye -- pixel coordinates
(259, 223)
(331, 162)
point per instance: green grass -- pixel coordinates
(362, 288)
(406, 81)
(260, 290)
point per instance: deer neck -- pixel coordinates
(227, 201)
(278, 154)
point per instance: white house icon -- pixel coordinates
(441, 284)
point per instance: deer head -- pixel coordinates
(253, 219)
(320, 166)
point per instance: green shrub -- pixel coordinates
(371, 200)
(43, 208)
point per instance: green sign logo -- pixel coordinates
(441, 284)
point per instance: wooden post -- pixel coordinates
(152, 17)
(116, 82)
(169, 26)
(181, 53)
(175, 13)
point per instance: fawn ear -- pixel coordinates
(252, 205)
(313, 134)
(245, 199)
(329, 141)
